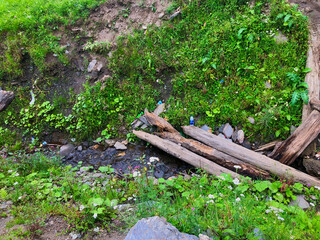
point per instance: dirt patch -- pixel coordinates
(120, 17)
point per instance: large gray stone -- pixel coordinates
(156, 228)
(65, 150)
(312, 166)
(228, 130)
(120, 146)
(300, 202)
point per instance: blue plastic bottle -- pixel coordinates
(191, 120)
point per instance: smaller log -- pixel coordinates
(293, 146)
(267, 146)
(218, 157)
(184, 154)
(6, 98)
(162, 124)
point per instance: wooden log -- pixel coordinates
(267, 146)
(218, 157)
(184, 154)
(293, 146)
(6, 98)
(250, 157)
(162, 124)
(314, 104)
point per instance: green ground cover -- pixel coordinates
(221, 207)
(219, 61)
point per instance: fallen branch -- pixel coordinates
(184, 154)
(250, 157)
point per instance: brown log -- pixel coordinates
(250, 157)
(218, 157)
(315, 104)
(293, 146)
(267, 146)
(184, 154)
(5, 99)
(162, 124)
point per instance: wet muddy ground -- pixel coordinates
(136, 157)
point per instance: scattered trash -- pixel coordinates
(191, 120)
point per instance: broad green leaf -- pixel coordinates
(295, 98)
(261, 186)
(304, 96)
(306, 70)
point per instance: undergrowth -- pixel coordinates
(218, 61)
(221, 207)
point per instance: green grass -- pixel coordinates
(26, 28)
(221, 207)
(212, 62)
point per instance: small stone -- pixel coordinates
(144, 27)
(221, 128)
(99, 66)
(79, 148)
(251, 120)
(312, 166)
(110, 142)
(267, 84)
(91, 66)
(206, 128)
(300, 202)
(65, 150)
(227, 130)
(161, 15)
(308, 9)
(105, 78)
(234, 136)
(246, 144)
(221, 135)
(120, 146)
(204, 237)
(125, 142)
(240, 137)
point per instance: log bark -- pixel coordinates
(250, 157)
(216, 156)
(267, 146)
(293, 146)
(184, 154)
(162, 124)
(315, 104)
(5, 99)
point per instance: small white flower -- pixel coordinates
(312, 204)
(238, 199)
(16, 175)
(241, 195)
(236, 181)
(210, 201)
(15, 183)
(296, 69)
(316, 187)
(96, 229)
(136, 174)
(221, 195)
(268, 210)
(222, 178)
(130, 198)
(153, 159)
(95, 215)
(19, 197)
(210, 196)
(280, 218)
(94, 204)
(10, 171)
(237, 166)
(81, 207)
(230, 187)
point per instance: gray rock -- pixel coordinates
(120, 146)
(110, 142)
(221, 128)
(161, 15)
(267, 84)
(281, 38)
(159, 109)
(300, 202)
(156, 228)
(205, 127)
(227, 130)
(234, 136)
(240, 137)
(79, 148)
(65, 150)
(258, 234)
(221, 135)
(251, 120)
(312, 166)
(246, 144)
(91, 65)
